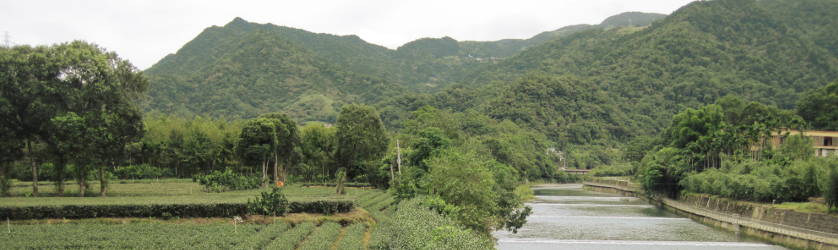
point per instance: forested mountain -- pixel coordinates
(243, 69)
(589, 88)
(601, 87)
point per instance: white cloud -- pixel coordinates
(146, 31)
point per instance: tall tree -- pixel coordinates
(256, 144)
(25, 74)
(11, 148)
(361, 139)
(819, 107)
(317, 145)
(287, 138)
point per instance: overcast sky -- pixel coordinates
(144, 31)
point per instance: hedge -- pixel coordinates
(161, 211)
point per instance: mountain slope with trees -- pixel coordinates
(596, 89)
(243, 69)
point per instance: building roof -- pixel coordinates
(808, 132)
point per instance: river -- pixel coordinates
(569, 217)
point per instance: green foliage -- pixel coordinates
(317, 146)
(322, 238)
(818, 107)
(271, 203)
(353, 239)
(797, 147)
(185, 210)
(220, 181)
(613, 170)
(831, 191)
(414, 226)
(132, 235)
(143, 171)
(361, 140)
(141, 211)
(763, 181)
(292, 237)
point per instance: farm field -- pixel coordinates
(168, 191)
(353, 230)
(278, 235)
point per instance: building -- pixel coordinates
(824, 142)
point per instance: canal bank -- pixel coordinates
(753, 224)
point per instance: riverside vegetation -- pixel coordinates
(452, 130)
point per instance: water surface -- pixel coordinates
(569, 217)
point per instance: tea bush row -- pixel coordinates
(162, 211)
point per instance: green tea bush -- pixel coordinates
(353, 239)
(322, 238)
(220, 181)
(143, 171)
(414, 226)
(163, 211)
(269, 203)
(260, 239)
(291, 238)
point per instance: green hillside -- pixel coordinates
(243, 69)
(599, 88)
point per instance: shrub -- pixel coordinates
(322, 237)
(414, 226)
(831, 193)
(219, 181)
(269, 203)
(290, 238)
(613, 170)
(163, 211)
(143, 171)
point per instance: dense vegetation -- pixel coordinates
(452, 129)
(723, 149)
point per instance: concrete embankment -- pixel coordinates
(788, 228)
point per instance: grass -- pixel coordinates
(171, 191)
(805, 207)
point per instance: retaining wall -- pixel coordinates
(742, 217)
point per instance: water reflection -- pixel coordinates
(568, 217)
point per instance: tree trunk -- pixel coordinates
(264, 172)
(4, 180)
(276, 165)
(82, 183)
(59, 168)
(103, 182)
(34, 169)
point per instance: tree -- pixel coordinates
(11, 149)
(257, 142)
(818, 107)
(361, 140)
(797, 147)
(24, 74)
(462, 179)
(103, 90)
(287, 138)
(831, 194)
(317, 146)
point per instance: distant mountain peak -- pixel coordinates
(238, 21)
(631, 19)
